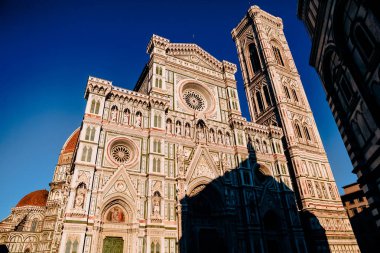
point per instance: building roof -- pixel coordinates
(36, 198)
(71, 142)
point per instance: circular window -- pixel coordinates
(194, 100)
(120, 153)
(196, 96)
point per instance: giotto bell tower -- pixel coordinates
(276, 97)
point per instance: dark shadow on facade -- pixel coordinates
(365, 231)
(3, 249)
(245, 210)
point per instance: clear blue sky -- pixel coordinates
(49, 48)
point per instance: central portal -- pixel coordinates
(113, 245)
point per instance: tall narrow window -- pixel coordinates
(295, 97)
(259, 101)
(286, 90)
(267, 96)
(346, 89)
(68, 247)
(277, 55)
(307, 134)
(97, 107)
(75, 247)
(92, 110)
(298, 131)
(84, 153)
(157, 120)
(254, 58)
(89, 154)
(87, 135)
(364, 42)
(92, 136)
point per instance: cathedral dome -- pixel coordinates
(71, 142)
(36, 198)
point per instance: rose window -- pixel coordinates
(194, 100)
(120, 153)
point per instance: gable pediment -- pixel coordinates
(202, 165)
(194, 54)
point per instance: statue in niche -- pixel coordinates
(138, 119)
(114, 114)
(115, 215)
(220, 138)
(187, 130)
(80, 196)
(126, 117)
(156, 204)
(169, 127)
(178, 128)
(228, 141)
(200, 130)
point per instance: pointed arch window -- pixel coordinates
(364, 42)
(298, 130)
(93, 103)
(86, 154)
(295, 97)
(277, 55)
(75, 247)
(267, 96)
(254, 58)
(259, 101)
(307, 134)
(92, 136)
(157, 146)
(157, 120)
(97, 106)
(286, 90)
(87, 135)
(68, 247)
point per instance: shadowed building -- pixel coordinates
(356, 205)
(345, 52)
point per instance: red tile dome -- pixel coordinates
(71, 142)
(36, 198)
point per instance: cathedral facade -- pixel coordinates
(172, 166)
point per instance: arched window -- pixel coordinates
(286, 90)
(89, 154)
(254, 58)
(160, 83)
(157, 120)
(298, 130)
(277, 55)
(84, 153)
(307, 134)
(87, 135)
(33, 227)
(92, 110)
(267, 96)
(157, 146)
(68, 247)
(259, 101)
(97, 107)
(92, 136)
(156, 165)
(75, 247)
(363, 41)
(295, 95)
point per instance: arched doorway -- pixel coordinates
(206, 227)
(272, 232)
(113, 245)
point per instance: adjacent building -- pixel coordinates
(345, 52)
(356, 205)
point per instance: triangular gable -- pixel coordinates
(202, 165)
(120, 182)
(194, 54)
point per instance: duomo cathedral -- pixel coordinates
(172, 166)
